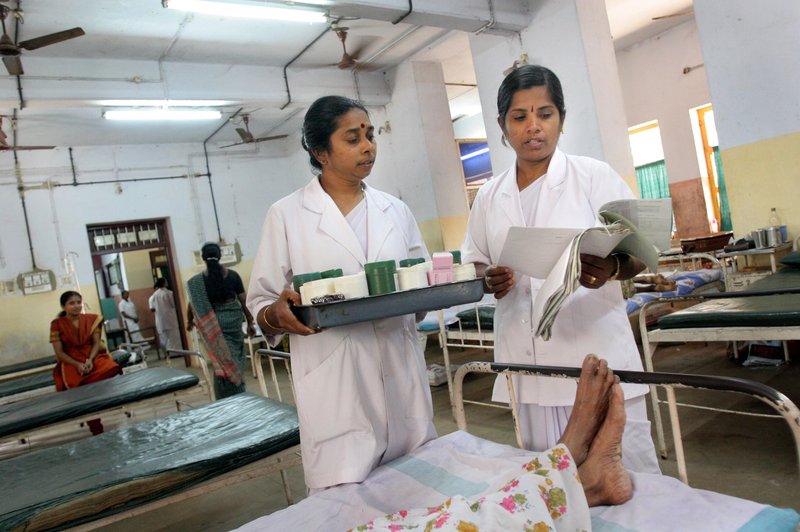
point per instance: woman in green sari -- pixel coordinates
(217, 307)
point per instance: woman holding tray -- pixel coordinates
(548, 188)
(362, 390)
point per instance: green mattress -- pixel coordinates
(756, 311)
(785, 278)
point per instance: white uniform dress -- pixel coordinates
(162, 303)
(362, 390)
(130, 322)
(590, 321)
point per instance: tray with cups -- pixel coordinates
(382, 290)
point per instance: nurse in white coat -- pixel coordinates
(548, 188)
(362, 391)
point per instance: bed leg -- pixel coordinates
(446, 355)
(286, 490)
(649, 349)
(676, 435)
(785, 351)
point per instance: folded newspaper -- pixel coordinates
(634, 227)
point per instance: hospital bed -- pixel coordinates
(462, 464)
(769, 309)
(35, 377)
(135, 469)
(88, 410)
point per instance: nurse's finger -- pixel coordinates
(503, 288)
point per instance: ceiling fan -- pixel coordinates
(247, 137)
(4, 146)
(349, 60)
(11, 52)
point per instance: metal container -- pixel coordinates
(774, 236)
(760, 238)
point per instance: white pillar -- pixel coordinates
(572, 38)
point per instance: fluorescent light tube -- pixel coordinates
(163, 103)
(162, 114)
(246, 10)
(474, 154)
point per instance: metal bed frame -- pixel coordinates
(784, 407)
(651, 339)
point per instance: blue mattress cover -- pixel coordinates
(686, 281)
(51, 408)
(180, 449)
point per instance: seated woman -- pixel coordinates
(81, 357)
(556, 489)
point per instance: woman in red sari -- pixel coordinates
(81, 357)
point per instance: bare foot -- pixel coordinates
(589, 410)
(605, 480)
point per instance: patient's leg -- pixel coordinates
(589, 410)
(605, 480)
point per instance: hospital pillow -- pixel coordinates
(792, 259)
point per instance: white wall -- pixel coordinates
(655, 88)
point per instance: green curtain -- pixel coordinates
(652, 180)
(724, 208)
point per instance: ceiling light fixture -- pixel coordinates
(246, 9)
(151, 113)
(162, 103)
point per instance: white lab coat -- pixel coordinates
(590, 321)
(130, 323)
(362, 390)
(162, 302)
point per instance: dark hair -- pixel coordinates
(211, 253)
(161, 283)
(321, 120)
(525, 77)
(66, 296)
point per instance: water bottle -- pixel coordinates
(774, 219)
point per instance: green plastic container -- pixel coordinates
(405, 263)
(382, 266)
(302, 278)
(380, 282)
(456, 256)
(330, 274)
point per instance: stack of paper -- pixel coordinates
(565, 276)
(632, 227)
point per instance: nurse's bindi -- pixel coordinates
(363, 125)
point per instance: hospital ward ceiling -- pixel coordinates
(269, 71)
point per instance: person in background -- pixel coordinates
(127, 310)
(546, 187)
(362, 390)
(217, 307)
(162, 303)
(81, 357)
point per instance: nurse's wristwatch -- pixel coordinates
(617, 267)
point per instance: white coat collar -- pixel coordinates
(551, 190)
(333, 223)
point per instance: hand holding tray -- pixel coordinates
(370, 308)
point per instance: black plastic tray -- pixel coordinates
(387, 305)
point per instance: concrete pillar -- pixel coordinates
(572, 38)
(753, 67)
(426, 169)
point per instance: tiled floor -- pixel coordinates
(746, 456)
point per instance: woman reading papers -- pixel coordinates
(548, 188)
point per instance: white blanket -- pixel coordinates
(462, 464)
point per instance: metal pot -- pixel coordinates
(774, 236)
(760, 238)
